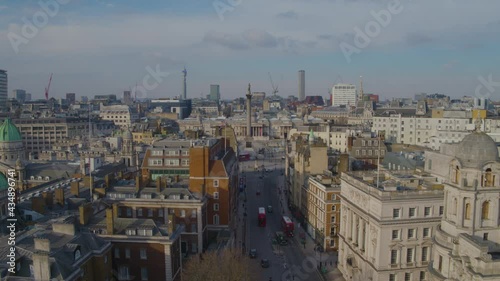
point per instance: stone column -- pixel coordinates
(355, 230)
(362, 234)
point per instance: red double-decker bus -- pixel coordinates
(287, 226)
(262, 217)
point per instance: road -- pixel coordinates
(260, 238)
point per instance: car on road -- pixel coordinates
(268, 170)
(253, 253)
(282, 157)
(269, 209)
(280, 238)
(264, 263)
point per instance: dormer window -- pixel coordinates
(78, 254)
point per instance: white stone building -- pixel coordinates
(467, 241)
(344, 94)
(386, 232)
(121, 115)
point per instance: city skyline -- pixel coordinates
(105, 47)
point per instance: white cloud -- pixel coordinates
(83, 44)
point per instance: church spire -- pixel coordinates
(361, 93)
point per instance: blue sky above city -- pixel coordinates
(104, 47)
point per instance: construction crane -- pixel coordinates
(48, 88)
(275, 89)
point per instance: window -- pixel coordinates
(216, 195)
(144, 273)
(392, 277)
(440, 263)
(129, 212)
(412, 212)
(427, 211)
(357, 151)
(409, 255)
(139, 212)
(216, 207)
(411, 233)
(485, 236)
(216, 219)
(395, 234)
(117, 253)
(124, 274)
(407, 276)
(193, 213)
(485, 213)
(441, 210)
(193, 227)
(130, 232)
(127, 253)
(425, 253)
(394, 256)
(160, 213)
(334, 208)
(333, 219)
(144, 255)
(150, 212)
(216, 183)
(183, 213)
(395, 213)
(467, 211)
(422, 275)
(426, 232)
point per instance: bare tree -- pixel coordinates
(224, 265)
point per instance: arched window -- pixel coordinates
(455, 206)
(456, 177)
(489, 178)
(485, 211)
(467, 211)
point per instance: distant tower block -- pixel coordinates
(249, 116)
(302, 85)
(184, 85)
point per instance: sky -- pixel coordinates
(400, 48)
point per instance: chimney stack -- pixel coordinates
(110, 222)
(343, 163)
(59, 192)
(115, 211)
(138, 183)
(48, 198)
(41, 264)
(158, 184)
(75, 189)
(86, 212)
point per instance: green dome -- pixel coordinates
(4, 184)
(9, 131)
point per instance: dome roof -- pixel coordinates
(9, 131)
(4, 184)
(476, 149)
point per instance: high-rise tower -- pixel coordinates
(361, 96)
(302, 85)
(3, 90)
(184, 85)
